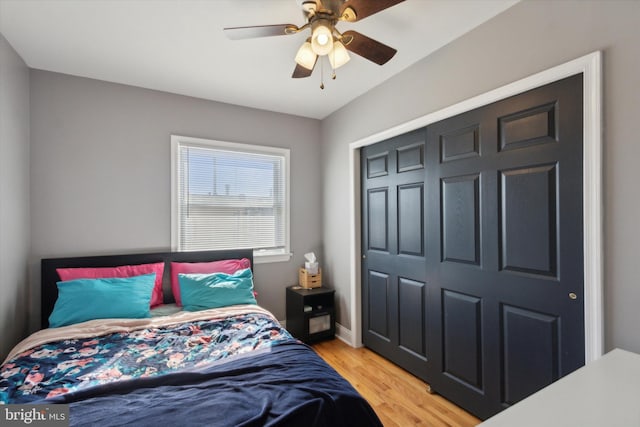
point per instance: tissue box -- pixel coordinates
(308, 280)
(311, 267)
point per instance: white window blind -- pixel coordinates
(230, 196)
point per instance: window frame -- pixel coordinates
(259, 256)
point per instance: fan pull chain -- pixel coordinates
(321, 74)
(333, 70)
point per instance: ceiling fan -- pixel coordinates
(325, 40)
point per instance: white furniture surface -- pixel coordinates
(606, 392)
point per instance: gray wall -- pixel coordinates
(101, 180)
(530, 37)
(14, 196)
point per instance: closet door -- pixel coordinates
(505, 194)
(489, 293)
(394, 288)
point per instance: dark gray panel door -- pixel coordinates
(509, 231)
(395, 292)
(501, 271)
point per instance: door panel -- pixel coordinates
(462, 343)
(377, 165)
(411, 298)
(377, 308)
(459, 144)
(533, 126)
(528, 212)
(476, 224)
(460, 219)
(411, 219)
(410, 157)
(530, 352)
(377, 219)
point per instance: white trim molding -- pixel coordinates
(591, 67)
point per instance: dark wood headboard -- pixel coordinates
(49, 287)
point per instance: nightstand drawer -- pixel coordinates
(319, 323)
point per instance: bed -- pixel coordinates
(227, 363)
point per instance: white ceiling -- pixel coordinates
(178, 46)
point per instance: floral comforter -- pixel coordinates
(55, 362)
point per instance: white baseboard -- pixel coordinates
(344, 334)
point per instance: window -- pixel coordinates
(230, 196)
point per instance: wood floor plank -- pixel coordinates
(399, 398)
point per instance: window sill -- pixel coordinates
(268, 258)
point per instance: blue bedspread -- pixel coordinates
(287, 385)
(243, 370)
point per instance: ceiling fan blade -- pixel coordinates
(368, 48)
(239, 33)
(300, 72)
(360, 9)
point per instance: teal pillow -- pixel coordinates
(80, 300)
(203, 291)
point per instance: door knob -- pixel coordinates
(572, 295)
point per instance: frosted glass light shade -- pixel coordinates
(321, 39)
(306, 57)
(338, 56)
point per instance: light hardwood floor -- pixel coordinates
(399, 398)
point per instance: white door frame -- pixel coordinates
(591, 67)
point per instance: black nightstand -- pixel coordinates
(311, 314)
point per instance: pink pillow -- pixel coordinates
(228, 266)
(119, 272)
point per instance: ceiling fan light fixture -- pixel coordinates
(338, 56)
(306, 57)
(321, 18)
(321, 37)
